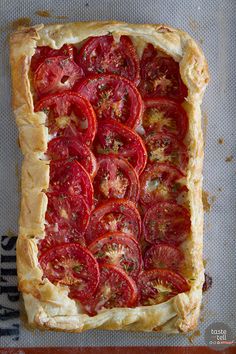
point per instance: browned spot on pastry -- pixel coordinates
(61, 17)
(207, 283)
(20, 22)
(229, 158)
(193, 336)
(220, 141)
(193, 24)
(43, 13)
(207, 201)
(164, 29)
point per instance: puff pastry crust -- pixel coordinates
(48, 305)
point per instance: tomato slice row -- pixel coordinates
(96, 159)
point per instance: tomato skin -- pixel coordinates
(70, 178)
(67, 218)
(44, 52)
(160, 182)
(63, 148)
(160, 76)
(112, 97)
(115, 178)
(69, 115)
(166, 148)
(56, 74)
(72, 265)
(169, 283)
(166, 222)
(163, 115)
(115, 289)
(114, 58)
(163, 256)
(120, 250)
(114, 215)
(114, 138)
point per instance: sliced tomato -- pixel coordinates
(115, 178)
(159, 285)
(166, 222)
(53, 239)
(115, 289)
(69, 115)
(114, 215)
(160, 182)
(63, 148)
(44, 52)
(114, 138)
(67, 218)
(163, 256)
(166, 148)
(70, 178)
(72, 265)
(160, 76)
(162, 115)
(120, 250)
(104, 54)
(56, 74)
(112, 97)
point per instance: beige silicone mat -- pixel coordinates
(212, 23)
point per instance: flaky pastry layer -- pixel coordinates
(48, 305)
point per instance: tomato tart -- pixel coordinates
(111, 221)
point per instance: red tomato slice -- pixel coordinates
(115, 289)
(112, 97)
(114, 138)
(165, 116)
(160, 182)
(159, 285)
(44, 52)
(56, 74)
(67, 218)
(120, 250)
(160, 76)
(72, 265)
(63, 148)
(114, 215)
(70, 178)
(163, 256)
(166, 148)
(166, 222)
(115, 178)
(105, 55)
(69, 115)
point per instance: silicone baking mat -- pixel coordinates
(212, 23)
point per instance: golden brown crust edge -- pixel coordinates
(47, 305)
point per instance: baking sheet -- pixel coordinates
(212, 23)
